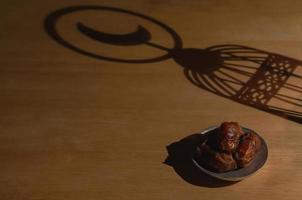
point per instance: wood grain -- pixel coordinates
(74, 127)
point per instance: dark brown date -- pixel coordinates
(215, 161)
(247, 148)
(228, 136)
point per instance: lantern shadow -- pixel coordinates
(267, 81)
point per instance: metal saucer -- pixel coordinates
(242, 173)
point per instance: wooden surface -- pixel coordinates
(75, 127)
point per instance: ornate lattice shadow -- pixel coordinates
(264, 80)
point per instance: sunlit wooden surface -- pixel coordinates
(75, 127)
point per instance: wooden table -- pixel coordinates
(77, 126)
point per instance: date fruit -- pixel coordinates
(247, 148)
(228, 136)
(215, 161)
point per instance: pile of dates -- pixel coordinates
(227, 148)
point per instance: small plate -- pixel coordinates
(242, 173)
